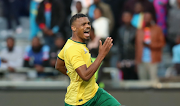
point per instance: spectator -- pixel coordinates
(11, 56)
(59, 43)
(93, 44)
(149, 44)
(106, 12)
(147, 6)
(93, 47)
(137, 20)
(11, 10)
(161, 13)
(84, 3)
(34, 29)
(173, 24)
(176, 55)
(79, 9)
(49, 19)
(100, 24)
(37, 55)
(126, 45)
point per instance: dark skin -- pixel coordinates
(78, 27)
(10, 45)
(178, 2)
(47, 31)
(36, 43)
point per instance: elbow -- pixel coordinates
(85, 78)
(57, 68)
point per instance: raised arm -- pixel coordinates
(86, 73)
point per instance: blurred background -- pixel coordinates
(142, 68)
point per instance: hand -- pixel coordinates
(47, 31)
(39, 68)
(146, 45)
(11, 69)
(3, 61)
(105, 48)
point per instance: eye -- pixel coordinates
(84, 24)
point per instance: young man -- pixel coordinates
(148, 48)
(75, 56)
(126, 45)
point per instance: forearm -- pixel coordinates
(62, 70)
(93, 67)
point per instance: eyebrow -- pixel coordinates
(86, 23)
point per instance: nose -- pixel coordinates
(88, 26)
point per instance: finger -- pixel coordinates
(106, 41)
(109, 42)
(110, 45)
(100, 43)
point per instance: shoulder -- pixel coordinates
(18, 49)
(176, 47)
(74, 48)
(4, 51)
(157, 27)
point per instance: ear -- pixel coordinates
(73, 28)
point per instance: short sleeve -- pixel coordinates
(176, 56)
(61, 55)
(75, 57)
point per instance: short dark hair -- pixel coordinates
(74, 17)
(11, 38)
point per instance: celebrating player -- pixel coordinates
(74, 60)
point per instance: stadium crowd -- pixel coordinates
(141, 29)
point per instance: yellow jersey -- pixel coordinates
(76, 54)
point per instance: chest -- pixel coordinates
(37, 56)
(86, 56)
(10, 55)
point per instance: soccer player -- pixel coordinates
(83, 89)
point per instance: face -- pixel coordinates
(82, 27)
(35, 42)
(126, 18)
(10, 43)
(147, 18)
(178, 1)
(138, 8)
(78, 6)
(97, 14)
(59, 42)
(96, 1)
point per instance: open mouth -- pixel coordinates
(87, 33)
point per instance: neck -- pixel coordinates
(128, 24)
(10, 49)
(148, 25)
(76, 38)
